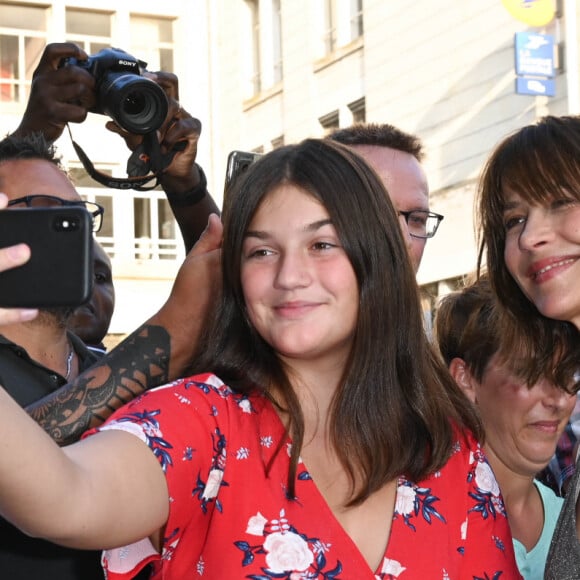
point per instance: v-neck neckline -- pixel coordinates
(317, 495)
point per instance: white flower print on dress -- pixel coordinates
(485, 479)
(256, 525)
(242, 453)
(392, 568)
(245, 405)
(405, 502)
(287, 552)
(213, 484)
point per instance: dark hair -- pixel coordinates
(397, 406)
(30, 146)
(538, 162)
(382, 135)
(466, 326)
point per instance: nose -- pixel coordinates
(555, 397)
(537, 231)
(293, 270)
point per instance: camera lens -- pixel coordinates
(136, 103)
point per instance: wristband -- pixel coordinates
(192, 196)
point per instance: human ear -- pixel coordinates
(463, 377)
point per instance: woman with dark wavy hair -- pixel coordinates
(328, 440)
(529, 211)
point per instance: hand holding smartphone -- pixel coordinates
(238, 163)
(59, 272)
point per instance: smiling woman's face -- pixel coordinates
(522, 424)
(542, 252)
(300, 288)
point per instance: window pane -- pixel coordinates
(152, 38)
(25, 17)
(107, 228)
(142, 217)
(91, 23)
(166, 221)
(165, 30)
(33, 48)
(166, 59)
(158, 30)
(8, 57)
(81, 178)
(95, 47)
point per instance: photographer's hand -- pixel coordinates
(58, 94)
(181, 180)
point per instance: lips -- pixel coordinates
(545, 269)
(295, 309)
(547, 426)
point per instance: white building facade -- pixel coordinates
(261, 73)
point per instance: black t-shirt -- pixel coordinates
(22, 557)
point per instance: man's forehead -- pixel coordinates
(20, 177)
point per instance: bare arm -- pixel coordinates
(74, 495)
(154, 354)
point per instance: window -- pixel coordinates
(90, 30)
(255, 79)
(263, 41)
(278, 142)
(358, 110)
(152, 42)
(22, 40)
(342, 22)
(329, 122)
(356, 19)
(154, 228)
(277, 41)
(329, 32)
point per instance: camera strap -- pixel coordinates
(145, 164)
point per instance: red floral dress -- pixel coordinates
(230, 516)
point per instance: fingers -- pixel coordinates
(16, 315)
(168, 82)
(55, 52)
(11, 257)
(211, 238)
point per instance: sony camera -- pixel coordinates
(136, 103)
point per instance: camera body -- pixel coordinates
(136, 103)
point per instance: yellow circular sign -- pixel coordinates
(532, 12)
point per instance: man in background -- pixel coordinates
(396, 157)
(91, 321)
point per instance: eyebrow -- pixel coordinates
(314, 226)
(507, 205)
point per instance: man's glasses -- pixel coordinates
(422, 223)
(94, 209)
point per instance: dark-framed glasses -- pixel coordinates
(94, 209)
(422, 223)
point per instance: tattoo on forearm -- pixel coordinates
(139, 363)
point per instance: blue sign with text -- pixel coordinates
(534, 54)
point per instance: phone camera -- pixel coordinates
(66, 224)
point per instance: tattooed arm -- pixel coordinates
(154, 354)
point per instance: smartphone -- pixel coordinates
(238, 162)
(60, 269)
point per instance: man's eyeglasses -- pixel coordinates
(94, 209)
(422, 223)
